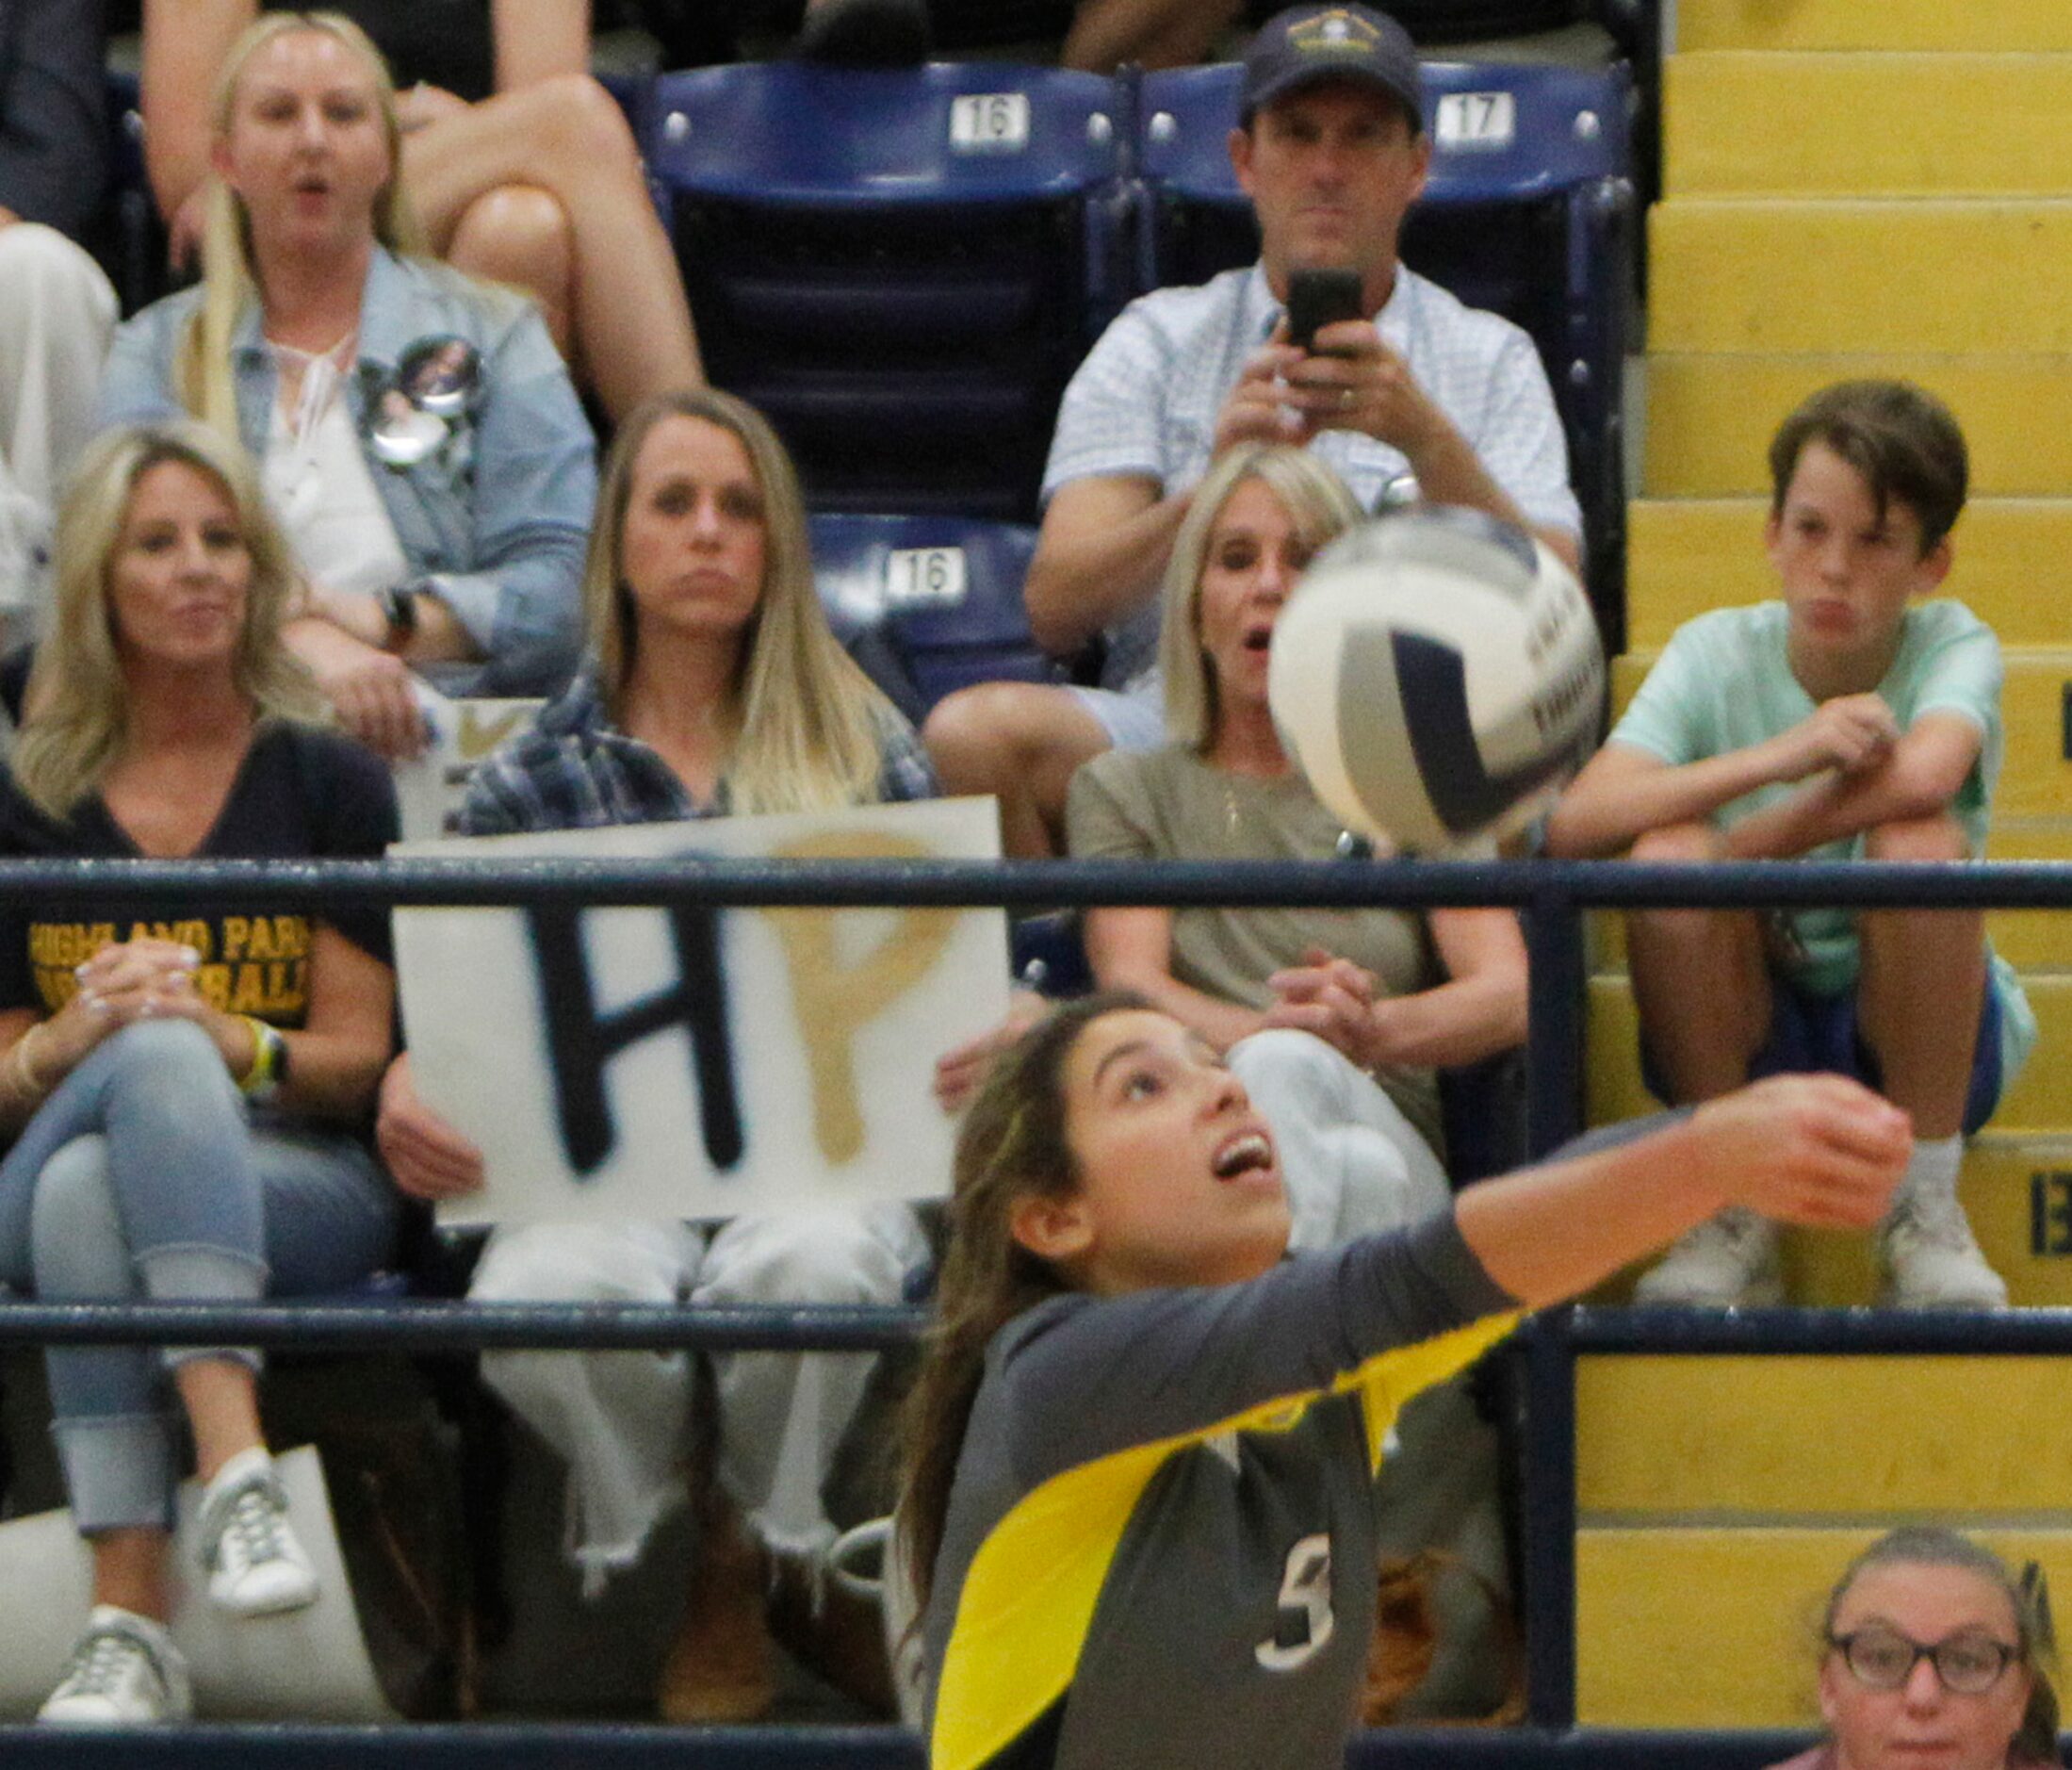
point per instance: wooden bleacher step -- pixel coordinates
(1944, 275)
(2036, 778)
(2037, 1104)
(1663, 1437)
(1711, 419)
(1718, 1626)
(1999, 25)
(1749, 123)
(1686, 556)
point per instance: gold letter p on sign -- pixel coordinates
(831, 1000)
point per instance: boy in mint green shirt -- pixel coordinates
(1851, 717)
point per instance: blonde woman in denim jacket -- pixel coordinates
(419, 435)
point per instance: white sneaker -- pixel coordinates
(1932, 1260)
(255, 1566)
(1727, 1262)
(123, 1672)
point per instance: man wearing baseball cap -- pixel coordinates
(1421, 394)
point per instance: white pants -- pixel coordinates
(1353, 1164)
(622, 1419)
(57, 314)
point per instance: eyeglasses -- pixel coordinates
(1969, 1664)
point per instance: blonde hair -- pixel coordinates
(1321, 504)
(201, 368)
(810, 725)
(79, 695)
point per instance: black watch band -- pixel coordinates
(400, 607)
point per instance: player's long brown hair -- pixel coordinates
(1012, 1144)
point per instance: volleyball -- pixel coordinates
(1437, 677)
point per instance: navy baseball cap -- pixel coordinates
(1308, 43)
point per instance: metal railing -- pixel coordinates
(502, 1747)
(1551, 897)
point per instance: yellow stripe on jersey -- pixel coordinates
(1029, 1597)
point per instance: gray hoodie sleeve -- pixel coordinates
(1082, 1377)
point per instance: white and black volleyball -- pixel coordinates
(1438, 676)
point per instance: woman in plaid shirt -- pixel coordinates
(715, 687)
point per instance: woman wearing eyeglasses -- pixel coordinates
(419, 437)
(1933, 1657)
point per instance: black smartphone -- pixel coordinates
(1318, 298)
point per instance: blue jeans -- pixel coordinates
(142, 1176)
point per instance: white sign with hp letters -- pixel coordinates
(693, 1061)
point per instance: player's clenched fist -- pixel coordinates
(1803, 1149)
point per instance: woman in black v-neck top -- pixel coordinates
(186, 1086)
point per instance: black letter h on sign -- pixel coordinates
(580, 1042)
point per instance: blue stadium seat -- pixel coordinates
(1528, 212)
(900, 267)
(928, 604)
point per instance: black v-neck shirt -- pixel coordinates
(301, 793)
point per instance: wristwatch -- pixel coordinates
(399, 606)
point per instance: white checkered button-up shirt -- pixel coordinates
(1144, 403)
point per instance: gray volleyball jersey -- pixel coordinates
(1159, 1548)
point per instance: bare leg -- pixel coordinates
(1699, 980)
(222, 1406)
(519, 234)
(1922, 986)
(221, 1398)
(567, 137)
(129, 1571)
(1155, 33)
(1021, 742)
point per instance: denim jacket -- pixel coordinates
(496, 522)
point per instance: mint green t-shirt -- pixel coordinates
(1725, 682)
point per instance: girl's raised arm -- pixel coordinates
(1803, 1149)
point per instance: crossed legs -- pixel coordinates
(1021, 742)
(544, 187)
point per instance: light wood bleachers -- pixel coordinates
(1850, 189)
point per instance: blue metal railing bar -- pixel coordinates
(408, 1326)
(502, 1747)
(1808, 1333)
(1022, 884)
(477, 1745)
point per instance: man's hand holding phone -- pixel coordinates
(1325, 367)
(1346, 378)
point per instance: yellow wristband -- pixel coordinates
(264, 1077)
